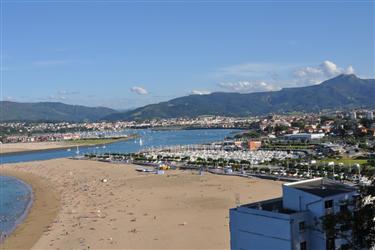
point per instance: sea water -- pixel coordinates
(150, 138)
(16, 196)
(15, 200)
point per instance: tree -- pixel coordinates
(357, 226)
(299, 124)
(280, 128)
(366, 122)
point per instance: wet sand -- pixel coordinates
(178, 210)
(45, 207)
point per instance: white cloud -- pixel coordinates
(9, 99)
(139, 90)
(248, 86)
(253, 77)
(319, 73)
(350, 70)
(200, 92)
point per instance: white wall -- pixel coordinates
(297, 235)
(256, 231)
(266, 230)
(296, 199)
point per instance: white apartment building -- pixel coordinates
(353, 115)
(370, 115)
(291, 221)
(304, 136)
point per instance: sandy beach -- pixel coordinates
(14, 148)
(30, 146)
(74, 208)
(46, 205)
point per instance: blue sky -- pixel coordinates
(128, 54)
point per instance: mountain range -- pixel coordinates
(50, 111)
(341, 92)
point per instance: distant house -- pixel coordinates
(326, 129)
(254, 145)
(310, 129)
(371, 131)
(353, 115)
(293, 131)
(238, 144)
(370, 115)
(292, 221)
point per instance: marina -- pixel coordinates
(250, 157)
(13, 211)
(108, 206)
(147, 139)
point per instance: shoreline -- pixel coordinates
(61, 147)
(25, 212)
(190, 128)
(43, 209)
(74, 208)
(27, 151)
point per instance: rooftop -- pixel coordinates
(273, 205)
(322, 187)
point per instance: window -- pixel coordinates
(343, 208)
(303, 245)
(328, 204)
(356, 201)
(345, 227)
(345, 247)
(330, 244)
(302, 226)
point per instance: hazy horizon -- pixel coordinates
(135, 107)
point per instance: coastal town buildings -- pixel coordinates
(293, 221)
(304, 136)
(370, 115)
(254, 145)
(353, 115)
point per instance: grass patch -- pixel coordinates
(99, 141)
(291, 147)
(345, 161)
